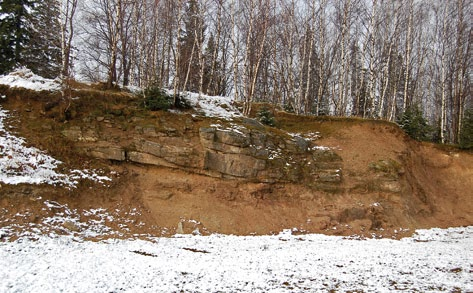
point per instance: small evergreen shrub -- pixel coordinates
(289, 108)
(466, 132)
(266, 117)
(156, 99)
(414, 124)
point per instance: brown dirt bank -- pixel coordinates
(389, 183)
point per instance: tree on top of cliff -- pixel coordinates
(29, 36)
(414, 123)
(466, 135)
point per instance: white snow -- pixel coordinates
(89, 224)
(212, 106)
(320, 148)
(22, 164)
(431, 261)
(25, 78)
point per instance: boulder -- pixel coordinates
(301, 143)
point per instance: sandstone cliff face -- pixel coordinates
(240, 151)
(260, 156)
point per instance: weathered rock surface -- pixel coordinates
(244, 151)
(75, 133)
(237, 165)
(108, 151)
(170, 149)
(260, 156)
(147, 159)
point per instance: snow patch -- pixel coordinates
(320, 148)
(80, 224)
(25, 78)
(22, 164)
(211, 106)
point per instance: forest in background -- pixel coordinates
(393, 60)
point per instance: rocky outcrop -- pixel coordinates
(108, 151)
(174, 151)
(256, 155)
(75, 133)
(244, 151)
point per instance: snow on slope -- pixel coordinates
(25, 78)
(433, 260)
(22, 164)
(211, 106)
(56, 219)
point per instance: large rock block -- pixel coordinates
(257, 155)
(226, 141)
(149, 147)
(232, 137)
(148, 159)
(108, 152)
(234, 164)
(169, 151)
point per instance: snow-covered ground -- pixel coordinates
(25, 78)
(212, 106)
(431, 261)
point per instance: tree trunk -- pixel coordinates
(68, 10)
(408, 55)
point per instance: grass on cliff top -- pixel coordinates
(326, 125)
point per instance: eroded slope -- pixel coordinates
(178, 172)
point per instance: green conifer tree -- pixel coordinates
(43, 51)
(414, 124)
(30, 36)
(466, 133)
(14, 32)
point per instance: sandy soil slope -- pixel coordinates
(391, 185)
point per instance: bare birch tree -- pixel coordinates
(68, 10)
